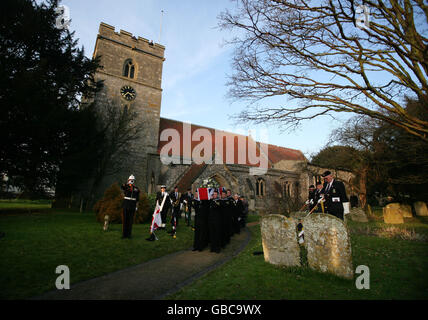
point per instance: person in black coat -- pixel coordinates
(130, 205)
(224, 210)
(318, 195)
(215, 223)
(201, 236)
(237, 211)
(311, 197)
(229, 216)
(176, 200)
(244, 216)
(334, 195)
(187, 199)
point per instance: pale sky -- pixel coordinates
(196, 66)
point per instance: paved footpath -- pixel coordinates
(154, 279)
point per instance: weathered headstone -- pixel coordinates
(406, 210)
(420, 208)
(279, 240)
(357, 214)
(392, 214)
(328, 245)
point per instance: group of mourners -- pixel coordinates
(216, 220)
(328, 197)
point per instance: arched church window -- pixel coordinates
(129, 69)
(152, 184)
(260, 187)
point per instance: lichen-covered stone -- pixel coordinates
(420, 208)
(279, 240)
(393, 214)
(328, 245)
(357, 214)
(406, 210)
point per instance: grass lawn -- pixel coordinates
(35, 244)
(398, 270)
(16, 204)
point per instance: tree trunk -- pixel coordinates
(363, 187)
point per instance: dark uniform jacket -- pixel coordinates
(334, 197)
(189, 198)
(132, 195)
(167, 203)
(318, 194)
(311, 198)
(176, 200)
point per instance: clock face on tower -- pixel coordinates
(128, 93)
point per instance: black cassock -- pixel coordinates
(226, 222)
(230, 217)
(215, 224)
(201, 237)
(132, 195)
(238, 212)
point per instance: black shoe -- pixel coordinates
(151, 238)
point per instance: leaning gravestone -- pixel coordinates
(392, 214)
(406, 210)
(420, 208)
(328, 245)
(357, 214)
(279, 240)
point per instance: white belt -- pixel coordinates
(128, 198)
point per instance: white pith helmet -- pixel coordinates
(131, 178)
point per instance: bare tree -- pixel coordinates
(320, 56)
(122, 127)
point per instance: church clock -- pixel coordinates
(128, 93)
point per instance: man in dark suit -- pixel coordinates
(187, 199)
(318, 196)
(130, 205)
(244, 216)
(237, 212)
(335, 199)
(176, 209)
(311, 197)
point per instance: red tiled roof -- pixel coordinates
(275, 153)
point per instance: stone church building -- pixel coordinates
(132, 74)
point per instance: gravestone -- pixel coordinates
(328, 245)
(420, 208)
(279, 240)
(406, 210)
(393, 214)
(357, 214)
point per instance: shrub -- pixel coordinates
(111, 204)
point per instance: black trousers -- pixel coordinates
(176, 213)
(127, 220)
(164, 213)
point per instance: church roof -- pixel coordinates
(275, 153)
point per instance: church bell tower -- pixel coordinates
(131, 70)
